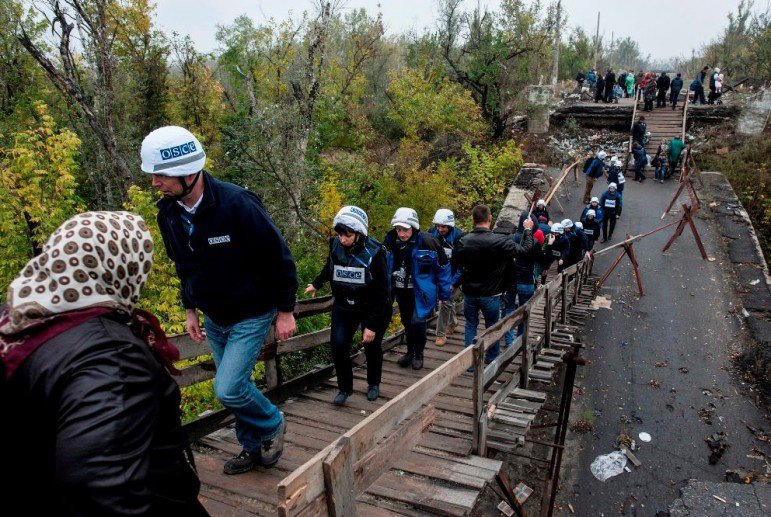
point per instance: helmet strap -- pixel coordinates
(187, 189)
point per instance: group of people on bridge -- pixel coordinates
(85, 374)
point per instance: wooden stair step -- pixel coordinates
(520, 405)
(535, 396)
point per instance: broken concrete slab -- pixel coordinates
(740, 500)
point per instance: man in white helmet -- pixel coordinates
(448, 235)
(358, 272)
(594, 169)
(420, 276)
(235, 267)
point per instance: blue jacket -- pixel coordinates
(234, 264)
(592, 78)
(615, 199)
(597, 216)
(428, 269)
(595, 169)
(449, 243)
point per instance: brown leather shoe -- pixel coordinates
(441, 340)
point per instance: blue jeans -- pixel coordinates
(524, 292)
(491, 310)
(235, 349)
(661, 169)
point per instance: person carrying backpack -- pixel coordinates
(674, 94)
(593, 169)
(357, 269)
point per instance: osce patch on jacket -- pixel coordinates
(219, 240)
(349, 275)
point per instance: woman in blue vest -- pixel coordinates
(358, 272)
(420, 276)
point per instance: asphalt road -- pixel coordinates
(658, 361)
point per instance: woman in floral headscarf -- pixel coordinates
(91, 420)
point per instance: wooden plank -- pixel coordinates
(304, 485)
(196, 373)
(304, 341)
(390, 450)
(338, 480)
(424, 495)
(494, 369)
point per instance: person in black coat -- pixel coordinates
(610, 81)
(91, 416)
(599, 93)
(675, 86)
(662, 83)
(357, 270)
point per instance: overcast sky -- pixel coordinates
(664, 28)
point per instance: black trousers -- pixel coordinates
(345, 323)
(414, 327)
(673, 96)
(698, 94)
(661, 98)
(608, 219)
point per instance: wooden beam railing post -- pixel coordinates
(527, 359)
(338, 480)
(547, 308)
(477, 396)
(564, 299)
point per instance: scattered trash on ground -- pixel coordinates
(601, 302)
(662, 364)
(581, 426)
(739, 476)
(644, 437)
(717, 444)
(760, 434)
(655, 383)
(606, 466)
(682, 369)
(625, 441)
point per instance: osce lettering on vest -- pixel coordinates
(610, 203)
(222, 239)
(448, 252)
(178, 150)
(349, 275)
(589, 232)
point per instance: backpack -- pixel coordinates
(693, 85)
(588, 164)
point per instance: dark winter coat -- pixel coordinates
(591, 230)
(638, 131)
(235, 264)
(663, 82)
(96, 428)
(676, 85)
(611, 203)
(483, 257)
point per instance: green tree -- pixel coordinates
(37, 190)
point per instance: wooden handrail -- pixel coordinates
(685, 113)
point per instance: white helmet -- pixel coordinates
(602, 155)
(557, 228)
(406, 218)
(717, 70)
(172, 151)
(594, 200)
(445, 217)
(353, 217)
(579, 224)
(567, 223)
(590, 213)
(540, 202)
(612, 186)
